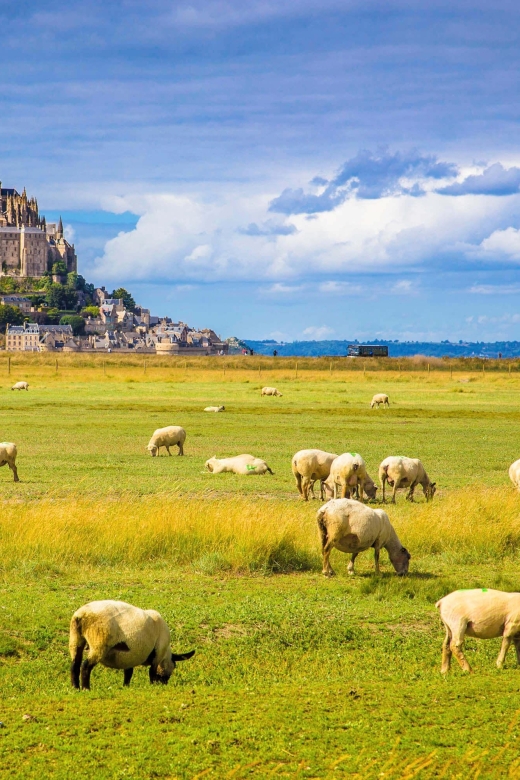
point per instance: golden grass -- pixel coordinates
(241, 534)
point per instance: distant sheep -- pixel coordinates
(8, 453)
(20, 386)
(214, 408)
(120, 636)
(271, 391)
(348, 474)
(349, 526)
(167, 437)
(400, 472)
(514, 474)
(378, 399)
(244, 465)
(308, 466)
(482, 613)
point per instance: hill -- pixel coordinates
(505, 349)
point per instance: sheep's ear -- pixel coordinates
(183, 656)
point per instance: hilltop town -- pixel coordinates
(45, 305)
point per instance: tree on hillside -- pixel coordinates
(10, 315)
(59, 268)
(61, 297)
(90, 311)
(127, 298)
(77, 323)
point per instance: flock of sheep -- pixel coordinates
(122, 636)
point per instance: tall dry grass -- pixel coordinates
(241, 535)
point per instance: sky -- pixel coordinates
(290, 170)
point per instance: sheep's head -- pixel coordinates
(370, 490)
(328, 486)
(209, 463)
(401, 561)
(429, 491)
(153, 449)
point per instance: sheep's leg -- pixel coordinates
(376, 559)
(394, 491)
(344, 491)
(322, 489)
(305, 488)
(383, 485)
(86, 669)
(446, 652)
(181, 448)
(75, 666)
(506, 642)
(128, 676)
(516, 640)
(409, 497)
(327, 570)
(352, 561)
(13, 468)
(360, 486)
(168, 449)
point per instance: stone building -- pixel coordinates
(28, 245)
(31, 337)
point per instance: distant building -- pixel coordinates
(28, 246)
(367, 350)
(31, 337)
(24, 304)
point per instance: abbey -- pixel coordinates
(28, 245)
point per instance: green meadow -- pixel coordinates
(294, 675)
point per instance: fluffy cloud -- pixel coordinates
(340, 288)
(367, 176)
(318, 333)
(500, 245)
(495, 289)
(268, 228)
(495, 180)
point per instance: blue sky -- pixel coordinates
(296, 169)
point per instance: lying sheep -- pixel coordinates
(167, 437)
(240, 464)
(8, 453)
(514, 474)
(308, 466)
(399, 472)
(20, 386)
(120, 636)
(379, 398)
(483, 614)
(270, 391)
(352, 528)
(348, 473)
(215, 408)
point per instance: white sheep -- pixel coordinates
(379, 398)
(8, 453)
(20, 386)
(270, 391)
(308, 466)
(240, 464)
(167, 437)
(348, 472)
(215, 408)
(120, 636)
(481, 613)
(352, 528)
(399, 472)
(514, 474)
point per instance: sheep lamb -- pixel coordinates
(167, 437)
(348, 474)
(400, 472)
(352, 528)
(378, 399)
(8, 453)
(120, 636)
(309, 466)
(20, 386)
(271, 391)
(215, 408)
(240, 464)
(481, 613)
(514, 474)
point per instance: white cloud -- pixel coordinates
(318, 333)
(340, 288)
(281, 289)
(495, 289)
(500, 245)
(69, 233)
(404, 287)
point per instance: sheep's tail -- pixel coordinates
(322, 527)
(269, 470)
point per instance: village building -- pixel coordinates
(18, 301)
(31, 337)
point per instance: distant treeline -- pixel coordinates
(504, 349)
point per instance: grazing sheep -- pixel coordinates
(20, 386)
(348, 472)
(240, 464)
(399, 472)
(215, 408)
(167, 437)
(514, 474)
(120, 636)
(379, 398)
(483, 614)
(270, 391)
(8, 453)
(351, 527)
(308, 466)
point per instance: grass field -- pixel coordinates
(294, 675)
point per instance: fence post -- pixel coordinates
(451, 372)
(364, 369)
(510, 368)
(483, 364)
(9, 364)
(296, 374)
(56, 365)
(330, 367)
(428, 368)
